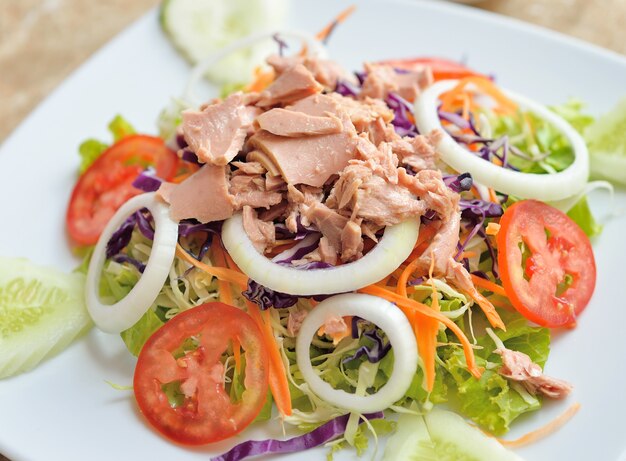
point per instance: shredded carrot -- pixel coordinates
(467, 254)
(544, 431)
(341, 17)
(226, 294)
(221, 273)
(501, 304)
(278, 376)
(488, 285)
(263, 78)
(488, 309)
(411, 308)
(485, 85)
(492, 228)
(492, 196)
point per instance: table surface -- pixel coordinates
(43, 41)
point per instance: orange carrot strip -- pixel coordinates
(278, 376)
(467, 254)
(221, 273)
(544, 431)
(262, 80)
(341, 17)
(488, 309)
(411, 307)
(488, 285)
(492, 196)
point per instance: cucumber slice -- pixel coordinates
(443, 436)
(42, 311)
(199, 28)
(606, 140)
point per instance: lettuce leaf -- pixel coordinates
(581, 214)
(491, 401)
(137, 335)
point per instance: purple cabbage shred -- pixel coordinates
(401, 121)
(122, 258)
(319, 436)
(266, 297)
(282, 44)
(147, 181)
(460, 183)
(376, 352)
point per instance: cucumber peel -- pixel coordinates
(442, 436)
(42, 311)
(199, 28)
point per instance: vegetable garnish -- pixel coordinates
(394, 247)
(42, 310)
(548, 267)
(556, 186)
(179, 380)
(384, 315)
(128, 310)
(107, 183)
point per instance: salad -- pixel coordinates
(324, 250)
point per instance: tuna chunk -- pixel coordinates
(519, 367)
(249, 167)
(381, 160)
(293, 84)
(293, 124)
(294, 322)
(351, 242)
(324, 71)
(262, 234)
(311, 160)
(418, 152)
(250, 191)
(218, 132)
(329, 222)
(429, 187)
(203, 196)
(383, 79)
(386, 204)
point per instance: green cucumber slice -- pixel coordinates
(442, 436)
(606, 140)
(42, 310)
(199, 28)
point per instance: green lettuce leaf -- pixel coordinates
(491, 401)
(581, 214)
(120, 128)
(137, 335)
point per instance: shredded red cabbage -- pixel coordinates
(401, 121)
(147, 181)
(265, 297)
(376, 352)
(282, 45)
(324, 433)
(346, 89)
(122, 258)
(460, 183)
(121, 237)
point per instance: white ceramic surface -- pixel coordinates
(65, 411)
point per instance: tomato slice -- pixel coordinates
(205, 413)
(546, 261)
(443, 69)
(107, 183)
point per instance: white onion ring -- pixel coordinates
(394, 247)
(388, 318)
(544, 187)
(126, 312)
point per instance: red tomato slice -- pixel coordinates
(547, 265)
(443, 69)
(206, 413)
(107, 183)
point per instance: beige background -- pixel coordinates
(43, 41)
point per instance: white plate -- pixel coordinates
(64, 410)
